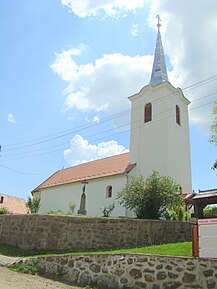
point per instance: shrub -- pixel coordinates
(107, 210)
(210, 212)
(72, 206)
(33, 204)
(150, 198)
(177, 213)
(58, 212)
(4, 211)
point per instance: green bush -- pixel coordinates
(210, 212)
(4, 211)
(33, 204)
(150, 198)
(58, 212)
(72, 206)
(107, 210)
(178, 212)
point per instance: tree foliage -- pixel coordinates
(33, 204)
(213, 129)
(150, 198)
(210, 212)
(178, 212)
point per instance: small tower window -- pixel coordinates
(1, 200)
(148, 112)
(109, 192)
(178, 115)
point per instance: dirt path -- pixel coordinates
(13, 280)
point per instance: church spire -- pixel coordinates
(159, 71)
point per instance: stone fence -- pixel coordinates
(48, 232)
(129, 271)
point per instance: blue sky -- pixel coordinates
(67, 68)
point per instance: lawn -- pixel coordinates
(175, 249)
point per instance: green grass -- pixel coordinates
(24, 268)
(175, 249)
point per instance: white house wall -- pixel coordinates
(59, 197)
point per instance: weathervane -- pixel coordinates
(158, 22)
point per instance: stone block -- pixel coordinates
(135, 273)
(172, 285)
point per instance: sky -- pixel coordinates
(69, 66)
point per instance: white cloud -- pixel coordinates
(82, 151)
(85, 8)
(189, 33)
(105, 84)
(96, 119)
(11, 118)
(188, 40)
(71, 117)
(134, 30)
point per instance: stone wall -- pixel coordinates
(71, 233)
(130, 271)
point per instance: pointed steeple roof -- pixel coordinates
(159, 71)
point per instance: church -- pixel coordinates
(159, 140)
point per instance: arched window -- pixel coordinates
(109, 191)
(1, 200)
(148, 112)
(178, 115)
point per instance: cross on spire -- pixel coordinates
(158, 21)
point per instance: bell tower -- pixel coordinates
(159, 137)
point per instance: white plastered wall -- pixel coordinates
(59, 197)
(161, 144)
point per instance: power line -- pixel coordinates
(97, 139)
(106, 130)
(19, 172)
(118, 115)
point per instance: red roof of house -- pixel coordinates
(13, 204)
(105, 167)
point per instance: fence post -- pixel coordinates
(195, 241)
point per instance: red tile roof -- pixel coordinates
(105, 167)
(13, 204)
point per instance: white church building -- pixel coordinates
(159, 140)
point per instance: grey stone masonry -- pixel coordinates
(130, 271)
(72, 233)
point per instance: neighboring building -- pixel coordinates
(159, 140)
(200, 200)
(13, 205)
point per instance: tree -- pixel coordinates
(210, 212)
(33, 204)
(150, 198)
(213, 129)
